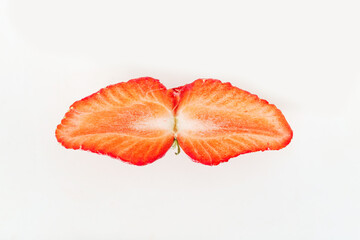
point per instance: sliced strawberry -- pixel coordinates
(216, 121)
(132, 121)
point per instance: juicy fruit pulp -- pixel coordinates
(139, 120)
(218, 121)
(132, 121)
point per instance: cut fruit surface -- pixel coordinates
(139, 120)
(132, 121)
(216, 121)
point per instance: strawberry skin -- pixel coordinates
(217, 121)
(131, 121)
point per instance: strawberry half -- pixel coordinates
(132, 121)
(216, 121)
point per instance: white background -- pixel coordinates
(303, 56)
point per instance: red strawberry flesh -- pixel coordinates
(217, 121)
(137, 122)
(132, 121)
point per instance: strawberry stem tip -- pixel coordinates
(176, 146)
